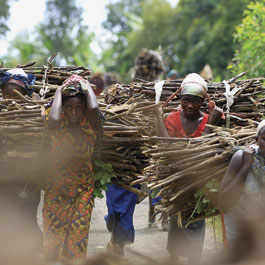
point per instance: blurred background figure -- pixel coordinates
(98, 79)
(111, 79)
(173, 74)
(242, 191)
(19, 189)
(149, 65)
(207, 72)
(17, 79)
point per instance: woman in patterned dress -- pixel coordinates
(72, 120)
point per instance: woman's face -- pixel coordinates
(191, 105)
(74, 109)
(8, 91)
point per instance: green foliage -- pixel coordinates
(206, 198)
(123, 17)
(23, 49)
(4, 14)
(103, 175)
(121, 14)
(155, 29)
(154, 193)
(205, 30)
(250, 37)
(63, 33)
(193, 20)
(221, 46)
(191, 35)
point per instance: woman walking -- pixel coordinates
(190, 122)
(72, 121)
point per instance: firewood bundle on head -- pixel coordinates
(186, 173)
(21, 132)
(49, 78)
(240, 99)
(21, 123)
(148, 65)
(23, 138)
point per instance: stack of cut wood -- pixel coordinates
(126, 131)
(49, 78)
(180, 167)
(148, 65)
(248, 100)
(22, 127)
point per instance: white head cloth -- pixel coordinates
(194, 85)
(17, 71)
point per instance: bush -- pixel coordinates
(250, 36)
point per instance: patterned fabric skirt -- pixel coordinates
(66, 221)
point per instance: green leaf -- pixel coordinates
(98, 175)
(102, 181)
(108, 167)
(205, 200)
(99, 163)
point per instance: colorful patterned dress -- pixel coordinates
(68, 198)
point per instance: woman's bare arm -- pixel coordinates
(56, 110)
(235, 177)
(161, 129)
(92, 104)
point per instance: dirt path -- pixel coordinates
(148, 241)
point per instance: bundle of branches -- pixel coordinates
(148, 65)
(21, 130)
(187, 172)
(248, 97)
(118, 94)
(49, 77)
(126, 131)
(21, 127)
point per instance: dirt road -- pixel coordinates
(148, 241)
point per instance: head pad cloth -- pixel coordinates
(72, 85)
(194, 85)
(19, 77)
(260, 126)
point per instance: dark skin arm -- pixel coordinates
(214, 118)
(235, 177)
(92, 104)
(161, 129)
(56, 109)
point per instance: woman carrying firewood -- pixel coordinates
(187, 122)
(243, 187)
(17, 79)
(19, 192)
(68, 202)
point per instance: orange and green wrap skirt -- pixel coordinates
(68, 200)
